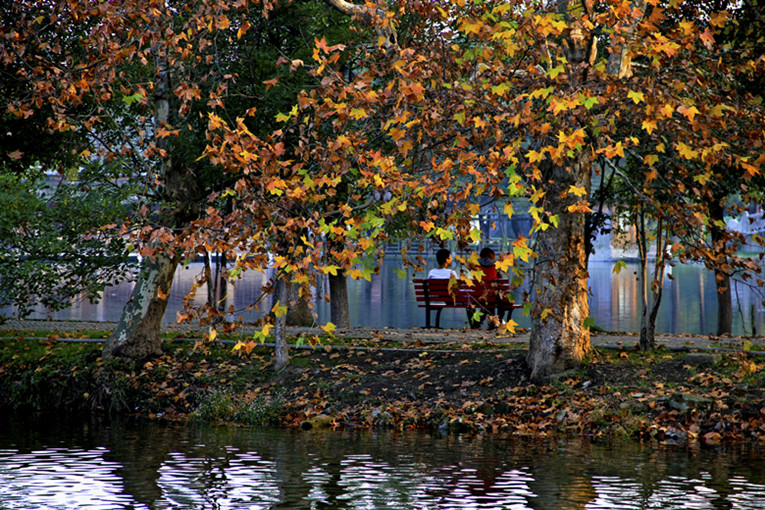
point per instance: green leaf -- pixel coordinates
(589, 102)
(128, 100)
(620, 264)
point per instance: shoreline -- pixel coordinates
(449, 387)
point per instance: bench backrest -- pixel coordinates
(436, 289)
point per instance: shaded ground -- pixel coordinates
(444, 380)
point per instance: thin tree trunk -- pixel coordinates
(137, 335)
(217, 284)
(338, 297)
(559, 340)
(281, 350)
(722, 279)
(642, 242)
(648, 340)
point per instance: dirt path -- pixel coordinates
(420, 335)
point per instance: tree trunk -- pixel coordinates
(724, 304)
(657, 289)
(217, 284)
(299, 312)
(722, 279)
(338, 298)
(138, 333)
(642, 242)
(559, 339)
(281, 350)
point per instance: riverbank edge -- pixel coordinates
(475, 387)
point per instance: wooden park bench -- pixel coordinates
(489, 296)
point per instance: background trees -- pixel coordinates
(136, 81)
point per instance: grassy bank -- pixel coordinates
(453, 388)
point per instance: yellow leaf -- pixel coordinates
(505, 263)
(500, 89)
(330, 270)
(687, 112)
(686, 151)
(536, 194)
(649, 126)
(555, 71)
(635, 96)
(535, 156)
(212, 334)
(702, 178)
(577, 190)
(278, 309)
(329, 328)
(358, 113)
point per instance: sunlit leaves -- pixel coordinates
(649, 125)
(686, 151)
(636, 97)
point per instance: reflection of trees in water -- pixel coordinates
(389, 470)
(172, 465)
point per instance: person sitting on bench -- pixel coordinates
(443, 271)
(486, 267)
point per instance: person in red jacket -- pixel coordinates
(486, 264)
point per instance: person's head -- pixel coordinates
(487, 253)
(443, 257)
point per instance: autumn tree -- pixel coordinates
(137, 80)
(691, 196)
(500, 101)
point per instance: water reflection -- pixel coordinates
(689, 304)
(140, 465)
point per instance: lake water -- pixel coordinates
(134, 464)
(689, 304)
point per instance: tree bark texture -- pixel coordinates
(217, 284)
(338, 298)
(722, 279)
(299, 312)
(724, 304)
(281, 350)
(648, 326)
(137, 335)
(559, 339)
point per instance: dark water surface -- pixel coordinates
(689, 304)
(94, 464)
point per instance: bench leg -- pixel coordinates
(438, 318)
(427, 317)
